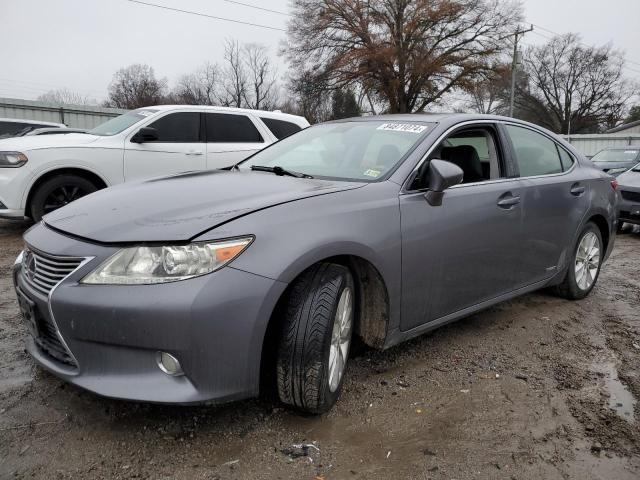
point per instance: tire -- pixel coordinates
(574, 288)
(58, 191)
(307, 349)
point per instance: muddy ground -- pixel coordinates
(537, 387)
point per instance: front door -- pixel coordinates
(467, 250)
(179, 148)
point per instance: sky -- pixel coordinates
(79, 44)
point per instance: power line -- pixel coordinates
(206, 15)
(259, 8)
(581, 43)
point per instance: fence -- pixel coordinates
(590, 144)
(77, 116)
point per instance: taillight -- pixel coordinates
(614, 184)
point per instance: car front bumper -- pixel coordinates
(629, 207)
(214, 325)
(11, 213)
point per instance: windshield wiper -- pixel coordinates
(279, 171)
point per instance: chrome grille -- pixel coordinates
(43, 271)
(631, 196)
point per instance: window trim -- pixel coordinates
(154, 120)
(555, 142)
(498, 139)
(240, 114)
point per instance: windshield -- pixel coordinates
(122, 122)
(356, 150)
(627, 155)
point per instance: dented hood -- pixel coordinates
(180, 207)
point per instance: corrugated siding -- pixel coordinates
(77, 116)
(589, 145)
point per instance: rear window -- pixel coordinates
(16, 129)
(626, 155)
(280, 128)
(228, 128)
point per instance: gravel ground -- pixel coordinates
(537, 387)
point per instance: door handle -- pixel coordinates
(195, 152)
(508, 201)
(577, 189)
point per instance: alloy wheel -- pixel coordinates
(587, 260)
(340, 338)
(62, 196)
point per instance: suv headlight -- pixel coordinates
(12, 159)
(161, 264)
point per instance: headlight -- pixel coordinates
(12, 159)
(161, 264)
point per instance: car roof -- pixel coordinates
(36, 122)
(628, 147)
(215, 108)
(453, 117)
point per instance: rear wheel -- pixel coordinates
(584, 267)
(57, 192)
(316, 336)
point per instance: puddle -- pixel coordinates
(621, 400)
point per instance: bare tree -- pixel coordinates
(489, 93)
(573, 88)
(261, 89)
(136, 86)
(408, 53)
(234, 85)
(200, 87)
(310, 97)
(64, 96)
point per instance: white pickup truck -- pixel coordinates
(41, 173)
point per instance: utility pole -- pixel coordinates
(514, 66)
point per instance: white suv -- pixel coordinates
(41, 173)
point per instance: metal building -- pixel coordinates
(77, 116)
(590, 144)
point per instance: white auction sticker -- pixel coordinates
(403, 127)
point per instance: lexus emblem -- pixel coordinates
(29, 265)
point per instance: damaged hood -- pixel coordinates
(180, 207)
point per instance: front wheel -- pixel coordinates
(584, 267)
(315, 339)
(57, 192)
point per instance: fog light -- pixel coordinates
(169, 364)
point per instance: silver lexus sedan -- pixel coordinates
(203, 286)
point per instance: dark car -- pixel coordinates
(615, 161)
(629, 186)
(194, 288)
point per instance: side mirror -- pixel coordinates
(145, 134)
(441, 175)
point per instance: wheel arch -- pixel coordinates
(93, 177)
(603, 225)
(372, 312)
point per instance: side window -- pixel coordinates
(182, 127)
(474, 151)
(535, 153)
(227, 128)
(280, 128)
(565, 158)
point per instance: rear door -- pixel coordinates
(554, 201)
(465, 251)
(232, 137)
(179, 148)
